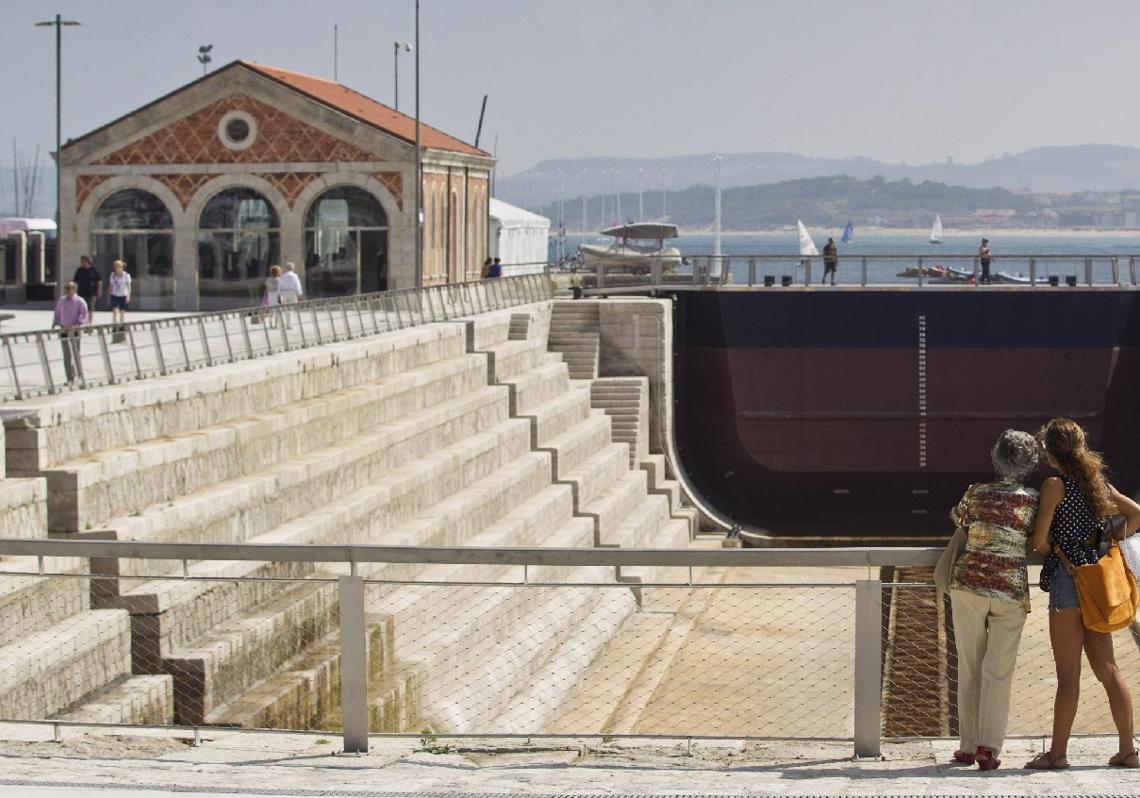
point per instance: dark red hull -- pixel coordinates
(867, 413)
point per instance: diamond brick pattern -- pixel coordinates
(290, 184)
(394, 182)
(194, 139)
(184, 186)
(84, 185)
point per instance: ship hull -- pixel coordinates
(867, 413)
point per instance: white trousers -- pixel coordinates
(987, 633)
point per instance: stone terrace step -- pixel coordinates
(31, 604)
(249, 506)
(87, 492)
(47, 431)
(172, 614)
(54, 669)
(598, 472)
(538, 385)
(614, 506)
(147, 700)
(23, 507)
(578, 444)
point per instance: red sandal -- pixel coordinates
(963, 758)
(985, 759)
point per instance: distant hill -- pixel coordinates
(822, 201)
(1064, 169)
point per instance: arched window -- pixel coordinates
(346, 243)
(239, 238)
(134, 226)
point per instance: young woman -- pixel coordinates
(1075, 506)
(120, 297)
(271, 299)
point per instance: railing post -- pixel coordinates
(1088, 271)
(868, 667)
(921, 274)
(158, 347)
(863, 276)
(807, 271)
(1132, 268)
(1033, 272)
(751, 272)
(353, 664)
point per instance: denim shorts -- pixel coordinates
(118, 302)
(1063, 591)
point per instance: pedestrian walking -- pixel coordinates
(271, 296)
(89, 285)
(289, 290)
(70, 316)
(120, 280)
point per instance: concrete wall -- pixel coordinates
(637, 340)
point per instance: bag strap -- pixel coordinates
(1066, 563)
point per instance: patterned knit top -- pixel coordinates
(1073, 526)
(999, 519)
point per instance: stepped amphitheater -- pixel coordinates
(493, 431)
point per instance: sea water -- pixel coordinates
(887, 255)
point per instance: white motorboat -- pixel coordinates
(635, 248)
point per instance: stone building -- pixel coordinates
(202, 190)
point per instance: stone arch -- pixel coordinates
(259, 184)
(113, 185)
(368, 183)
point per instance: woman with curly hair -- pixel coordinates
(1075, 507)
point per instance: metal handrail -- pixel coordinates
(1022, 271)
(40, 363)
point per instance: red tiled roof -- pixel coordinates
(365, 109)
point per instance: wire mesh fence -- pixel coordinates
(478, 647)
(46, 362)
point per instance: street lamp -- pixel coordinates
(204, 56)
(407, 46)
(58, 23)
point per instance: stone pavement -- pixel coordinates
(146, 763)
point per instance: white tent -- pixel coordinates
(519, 237)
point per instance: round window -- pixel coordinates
(237, 130)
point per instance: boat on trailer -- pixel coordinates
(635, 248)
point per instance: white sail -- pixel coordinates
(936, 230)
(807, 246)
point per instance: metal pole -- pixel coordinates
(716, 214)
(419, 165)
(353, 663)
(868, 667)
(664, 215)
(640, 199)
(396, 74)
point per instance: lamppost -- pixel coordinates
(204, 56)
(396, 66)
(716, 213)
(59, 24)
(664, 216)
(419, 280)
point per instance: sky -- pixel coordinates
(912, 81)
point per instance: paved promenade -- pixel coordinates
(238, 763)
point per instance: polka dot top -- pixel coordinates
(1073, 525)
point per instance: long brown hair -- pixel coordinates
(1064, 439)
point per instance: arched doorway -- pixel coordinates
(346, 244)
(239, 238)
(134, 226)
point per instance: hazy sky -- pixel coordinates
(907, 80)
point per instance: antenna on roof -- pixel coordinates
(479, 130)
(334, 54)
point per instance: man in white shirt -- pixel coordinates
(289, 289)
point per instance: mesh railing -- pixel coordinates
(47, 361)
(363, 640)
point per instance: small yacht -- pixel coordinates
(635, 247)
(936, 230)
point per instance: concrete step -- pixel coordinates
(670, 533)
(85, 493)
(511, 359)
(559, 414)
(53, 670)
(244, 652)
(23, 507)
(539, 385)
(578, 443)
(44, 432)
(32, 603)
(597, 473)
(169, 615)
(641, 525)
(244, 507)
(613, 506)
(141, 700)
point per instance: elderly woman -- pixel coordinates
(989, 593)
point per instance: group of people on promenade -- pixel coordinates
(282, 288)
(1067, 520)
(831, 261)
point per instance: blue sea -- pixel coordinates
(887, 255)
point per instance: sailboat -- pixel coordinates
(848, 233)
(807, 246)
(936, 230)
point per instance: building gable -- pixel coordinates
(280, 137)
